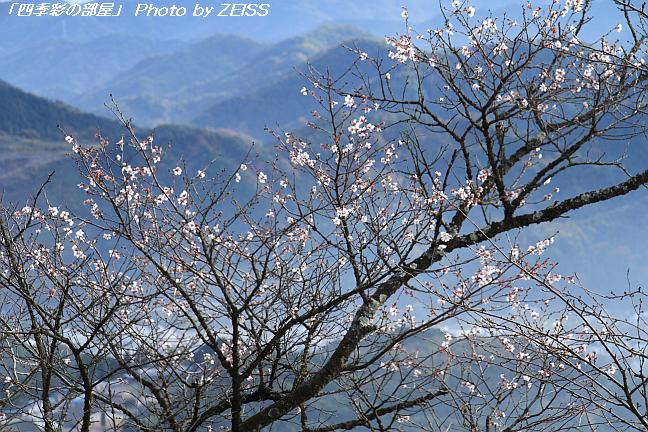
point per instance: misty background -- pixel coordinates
(210, 86)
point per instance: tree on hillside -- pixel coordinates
(376, 274)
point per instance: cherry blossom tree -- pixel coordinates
(374, 274)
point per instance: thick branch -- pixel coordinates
(362, 324)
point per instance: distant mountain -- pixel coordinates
(276, 60)
(61, 68)
(32, 144)
(26, 115)
(177, 86)
(151, 88)
(279, 102)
